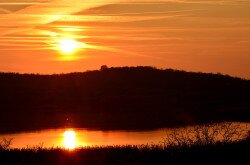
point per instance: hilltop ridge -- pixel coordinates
(120, 98)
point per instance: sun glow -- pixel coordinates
(70, 139)
(69, 46)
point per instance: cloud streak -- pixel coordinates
(185, 34)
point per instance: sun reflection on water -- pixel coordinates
(69, 139)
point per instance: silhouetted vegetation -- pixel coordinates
(198, 153)
(196, 145)
(206, 134)
(120, 98)
(5, 144)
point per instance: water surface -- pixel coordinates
(83, 137)
(55, 138)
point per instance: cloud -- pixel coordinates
(4, 11)
(113, 25)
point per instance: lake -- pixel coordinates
(71, 138)
(83, 137)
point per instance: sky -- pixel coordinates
(193, 35)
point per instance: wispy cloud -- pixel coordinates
(181, 33)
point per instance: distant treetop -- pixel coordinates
(104, 67)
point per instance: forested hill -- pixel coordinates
(120, 98)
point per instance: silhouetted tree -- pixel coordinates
(104, 67)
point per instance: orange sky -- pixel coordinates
(193, 35)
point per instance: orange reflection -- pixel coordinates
(70, 139)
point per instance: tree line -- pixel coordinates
(120, 98)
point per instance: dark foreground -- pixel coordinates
(120, 99)
(224, 153)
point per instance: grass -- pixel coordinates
(225, 153)
(176, 149)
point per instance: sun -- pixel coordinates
(70, 139)
(69, 46)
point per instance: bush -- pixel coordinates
(5, 144)
(206, 134)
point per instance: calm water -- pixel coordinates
(56, 137)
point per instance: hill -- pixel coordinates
(120, 98)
